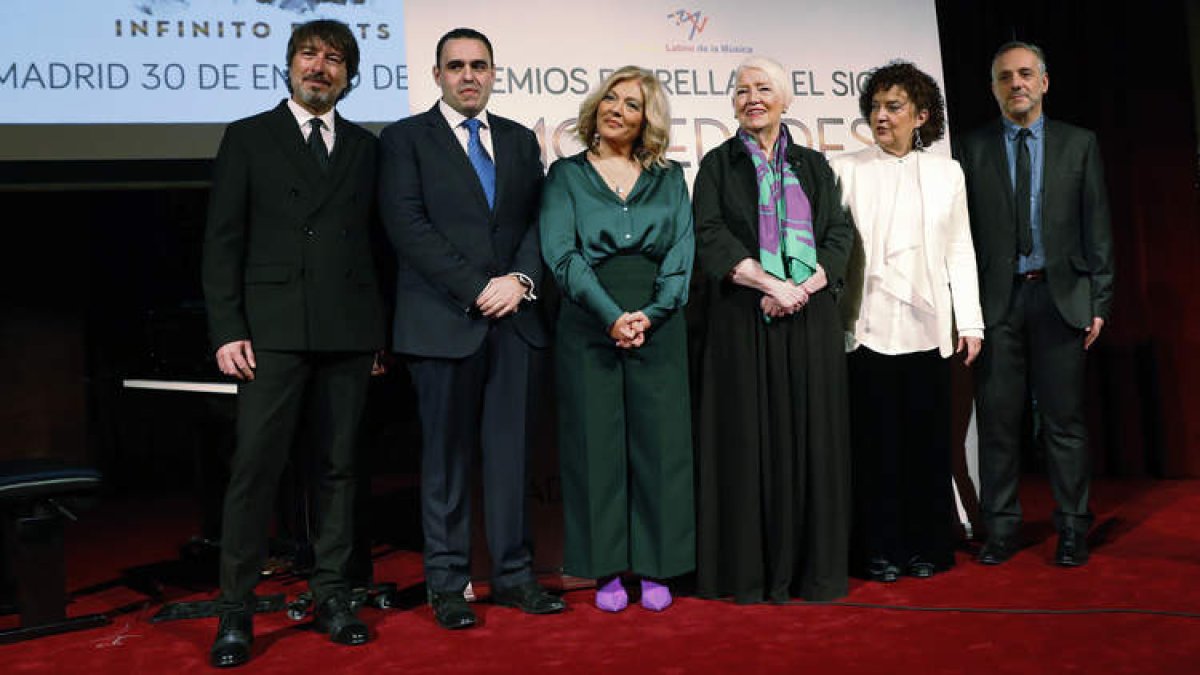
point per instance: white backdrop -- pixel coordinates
(112, 79)
(550, 53)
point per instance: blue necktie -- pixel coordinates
(484, 167)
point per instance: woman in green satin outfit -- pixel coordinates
(616, 230)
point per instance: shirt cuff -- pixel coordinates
(529, 295)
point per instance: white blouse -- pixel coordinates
(898, 315)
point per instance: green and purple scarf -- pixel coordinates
(786, 246)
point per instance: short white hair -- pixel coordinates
(774, 72)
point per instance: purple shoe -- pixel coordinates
(655, 596)
(611, 597)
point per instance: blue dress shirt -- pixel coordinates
(1037, 144)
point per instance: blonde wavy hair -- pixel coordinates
(650, 147)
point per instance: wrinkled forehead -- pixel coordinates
(752, 75)
(1016, 59)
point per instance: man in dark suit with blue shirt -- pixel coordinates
(294, 310)
(1040, 223)
(459, 192)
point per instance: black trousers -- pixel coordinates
(270, 409)
(478, 403)
(900, 436)
(1033, 348)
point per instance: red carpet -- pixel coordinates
(1146, 556)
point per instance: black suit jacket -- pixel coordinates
(448, 242)
(287, 255)
(1076, 232)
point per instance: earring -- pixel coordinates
(595, 138)
(917, 142)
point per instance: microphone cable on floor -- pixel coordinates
(997, 610)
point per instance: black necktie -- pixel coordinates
(1023, 191)
(317, 144)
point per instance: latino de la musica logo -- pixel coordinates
(694, 22)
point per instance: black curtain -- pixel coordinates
(1123, 71)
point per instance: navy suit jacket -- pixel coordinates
(448, 241)
(1076, 231)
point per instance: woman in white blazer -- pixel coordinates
(912, 302)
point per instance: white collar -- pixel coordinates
(455, 118)
(303, 116)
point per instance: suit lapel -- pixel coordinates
(1053, 148)
(345, 147)
(503, 141)
(930, 182)
(287, 134)
(445, 137)
(866, 190)
(997, 154)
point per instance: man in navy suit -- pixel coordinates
(459, 192)
(1043, 241)
(294, 311)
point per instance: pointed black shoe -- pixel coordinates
(336, 617)
(528, 597)
(881, 570)
(920, 568)
(235, 634)
(1072, 550)
(451, 611)
(997, 550)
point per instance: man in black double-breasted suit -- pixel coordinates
(1040, 223)
(459, 191)
(294, 311)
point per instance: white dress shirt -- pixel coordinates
(455, 119)
(303, 118)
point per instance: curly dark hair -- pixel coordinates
(922, 90)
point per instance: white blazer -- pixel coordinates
(950, 255)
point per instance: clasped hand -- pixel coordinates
(502, 296)
(785, 297)
(629, 330)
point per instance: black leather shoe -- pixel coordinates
(1072, 549)
(921, 569)
(451, 610)
(235, 633)
(528, 597)
(881, 569)
(336, 616)
(997, 550)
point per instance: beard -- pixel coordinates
(314, 97)
(318, 99)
